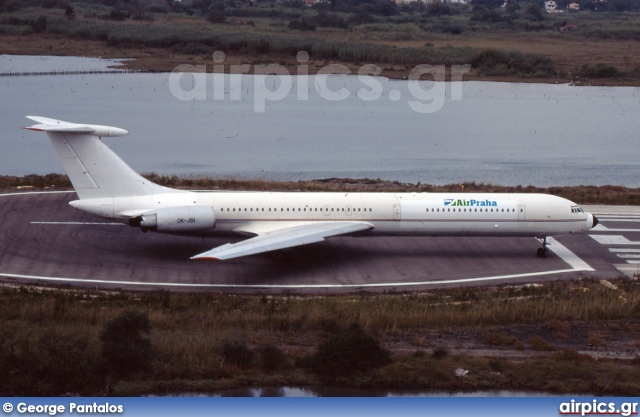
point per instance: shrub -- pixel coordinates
(216, 15)
(347, 353)
(237, 353)
(117, 15)
(440, 352)
(561, 336)
(595, 340)
(571, 355)
(498, 62)
(328, 19)
(598, 71)
(438, 8)
(499, 339)
(47, 364)
(302, 24)
(271, 358)
(124, 349)
(453, 29)
(533, 11)
(558, 326)
(538, 343)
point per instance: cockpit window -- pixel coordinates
(577, 209)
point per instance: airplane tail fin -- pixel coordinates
(94, 170)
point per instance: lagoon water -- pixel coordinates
(324, 391)
(503, 133)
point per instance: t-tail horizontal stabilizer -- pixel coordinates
(94, 170)
(58, 126)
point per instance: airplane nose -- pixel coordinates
(595, 221)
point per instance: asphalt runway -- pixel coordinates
(45, 241)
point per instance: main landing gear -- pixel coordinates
(543, 252)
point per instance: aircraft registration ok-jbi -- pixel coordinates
(108, 187)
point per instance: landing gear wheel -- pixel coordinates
(543, 252)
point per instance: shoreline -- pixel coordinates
(157, 60)
(581, 194)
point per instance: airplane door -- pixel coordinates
(522, 213)
(396, 212)
(348, 210)
(326, 210)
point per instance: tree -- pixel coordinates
(124, 349)
(438, 8)
(533, 11)
(237, 353)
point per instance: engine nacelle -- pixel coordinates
(176, 219)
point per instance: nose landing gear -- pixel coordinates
(543, 252)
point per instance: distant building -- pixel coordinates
(431, 1)
(551, 6)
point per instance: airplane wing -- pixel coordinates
(284, 238)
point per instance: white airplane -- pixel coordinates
(108, 187)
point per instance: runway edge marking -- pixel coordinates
(36, 192)
(288, 286)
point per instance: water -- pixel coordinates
(502, 133)
(324, 391)
(46, 64)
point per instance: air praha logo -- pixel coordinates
(469, 203)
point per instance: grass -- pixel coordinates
(200, 341)
(583, 194)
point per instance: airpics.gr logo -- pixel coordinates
(469, 203)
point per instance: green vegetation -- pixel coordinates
(125, 351)
(347, 353)
(34, 181)
(582, 194)
(59, 341)
(349, 31)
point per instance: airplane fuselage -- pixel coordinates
(425, 214)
